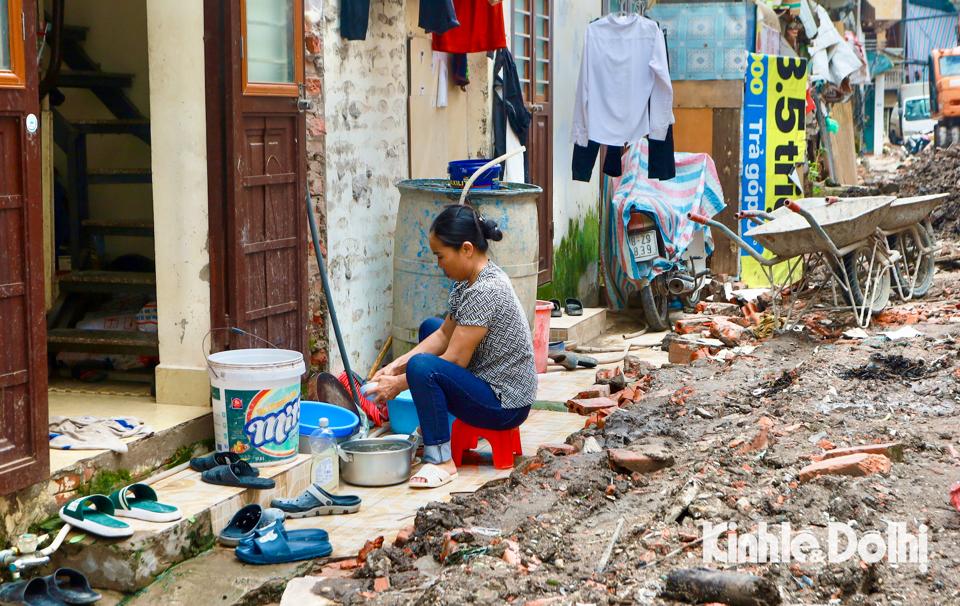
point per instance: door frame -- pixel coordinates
(16, 99)
(546, 221)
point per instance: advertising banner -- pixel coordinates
(774, 142)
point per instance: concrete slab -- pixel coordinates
(579, 328)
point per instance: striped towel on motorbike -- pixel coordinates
(696, 188)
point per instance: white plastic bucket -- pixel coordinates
(256, 403)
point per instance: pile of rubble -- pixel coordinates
(933, 173)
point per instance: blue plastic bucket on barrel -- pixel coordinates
(461, 170)
(256, 403)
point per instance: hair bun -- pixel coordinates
(491, 231)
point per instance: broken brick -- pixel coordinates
(589, 406)
(448, 545)
(558, 449)
(731, 334)
(686, 326)
(349, 564)
(856, 465)
(892, 450)
(381, 584)
(369, 546)
(543, 601)
(403, 536)
(826, 444)
(595, 391)
(684, 353)
(642, 459)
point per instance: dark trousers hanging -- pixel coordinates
(354, 17)
(585, 157)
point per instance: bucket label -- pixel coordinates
(263, 425)
(214, 393)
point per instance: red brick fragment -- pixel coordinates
(891, 450)
(381, 584)
(589, 406)
(856, 465)
(558, 449)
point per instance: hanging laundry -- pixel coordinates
(662, 162)
(440, 68)
(459, 70)
(480, 30)
(354, 17)
(585, 156)
(508, 108)
(624, 91)
(437, 16)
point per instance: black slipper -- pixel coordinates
(586, 361)
(573, 307)
(566, 359)
(70, 587)
(239, 474)
(555, 312)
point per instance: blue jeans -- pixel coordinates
(439, 387)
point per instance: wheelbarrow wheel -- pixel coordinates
(914, 262)
(857, 266)
(655, 302)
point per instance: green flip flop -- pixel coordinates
(139, 501)
(94, 514)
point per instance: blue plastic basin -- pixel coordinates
(403, 414)
(342, 422)
(461, 170)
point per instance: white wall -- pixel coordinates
(365, 104)
(178, 135)
(571, 199)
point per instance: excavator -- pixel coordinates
(944, 70)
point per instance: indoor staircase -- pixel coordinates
(86, 284)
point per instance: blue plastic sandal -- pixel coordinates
(246, 521)
(33, 593)
(316, 501)
(276, 545)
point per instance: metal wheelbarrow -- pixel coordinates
(817, 233)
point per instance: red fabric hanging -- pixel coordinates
(481, 29)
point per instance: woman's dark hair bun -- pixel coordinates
(491, 231)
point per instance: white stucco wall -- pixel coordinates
(179, 163)
(571, 199)
(365, 105)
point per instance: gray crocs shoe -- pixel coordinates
(246, 522)
(316, 501)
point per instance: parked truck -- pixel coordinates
(911, 115)
(945, 95)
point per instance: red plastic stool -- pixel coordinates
(505, 443)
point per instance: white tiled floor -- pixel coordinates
(158, 416)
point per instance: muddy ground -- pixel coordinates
(735, 436)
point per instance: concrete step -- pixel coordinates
(128, 565)
(582, 329)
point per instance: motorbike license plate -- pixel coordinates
(643, 244)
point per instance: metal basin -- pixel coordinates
(905, 212)
(846, 222)
(376, 461)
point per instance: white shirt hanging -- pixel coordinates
(624, 66)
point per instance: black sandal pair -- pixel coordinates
(65, 586)
(228, 469)
(572, 306)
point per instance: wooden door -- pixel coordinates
(260, 221)
(24, 453)
(532, 25)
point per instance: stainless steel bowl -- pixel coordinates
(376, 461)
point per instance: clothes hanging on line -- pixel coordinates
(437, 16)
(354, 17)
(509, 110)
(624, 57)
(585, 157)
(661, 162)
(481, 29)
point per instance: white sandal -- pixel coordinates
(432, 476)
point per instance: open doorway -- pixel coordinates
(97, 184)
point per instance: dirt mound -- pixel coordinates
(934, 172)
